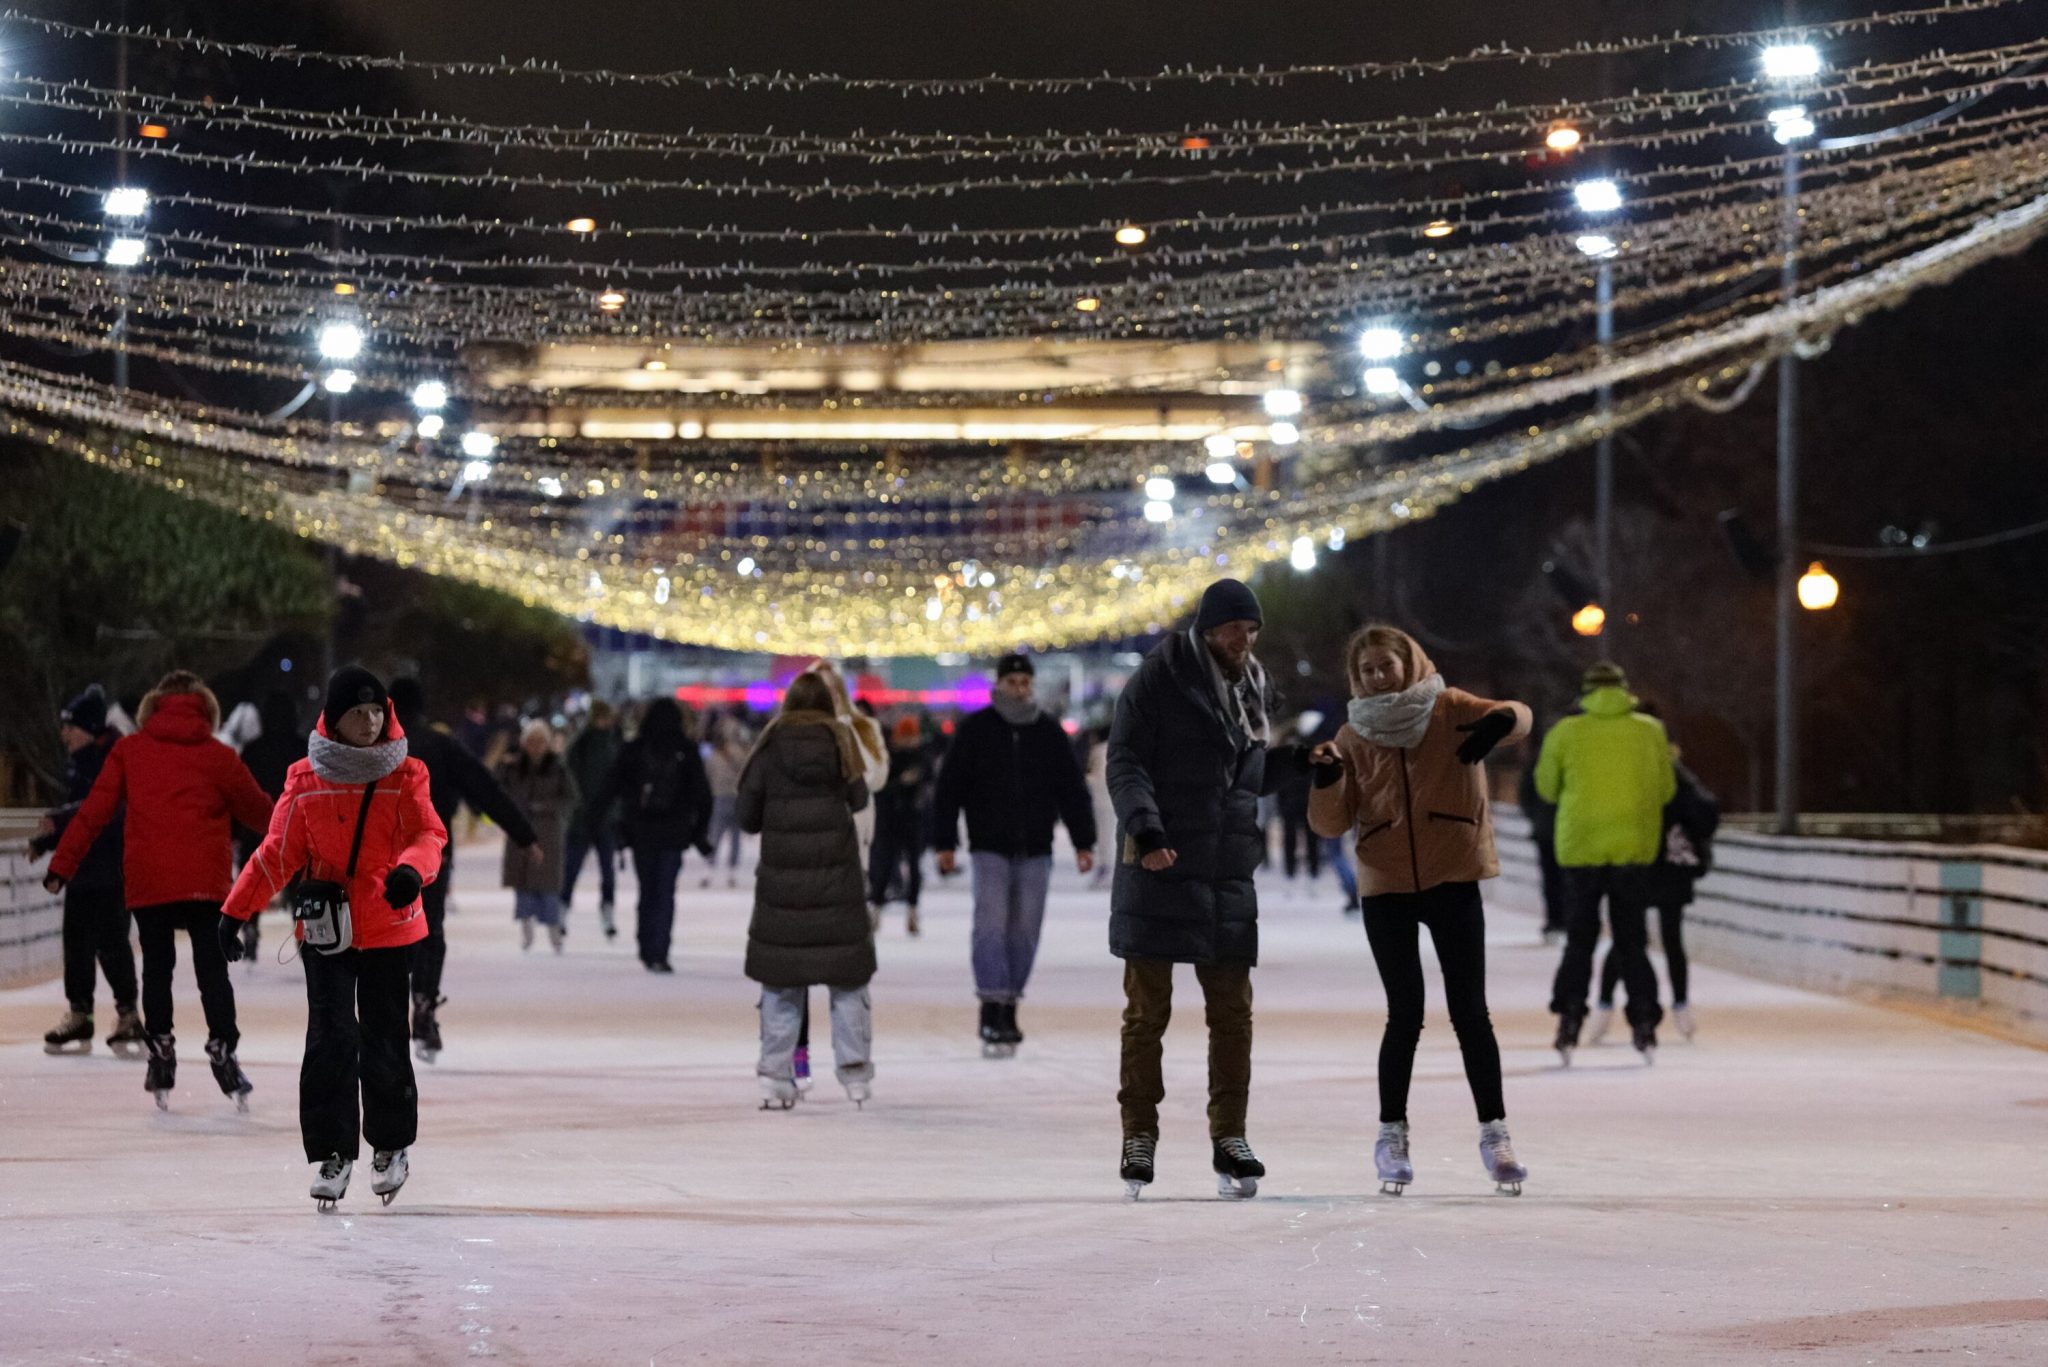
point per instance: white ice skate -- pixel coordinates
(1681, 1016)
(331, 1184)
(778, 1093)
(391, 1168)
(1497, 1151)
(1390, 1158)
(525, 933)
(858, 1092)
(557, 934)
(1603, 1020)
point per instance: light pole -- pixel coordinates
(1789, 63)
(1600, 197)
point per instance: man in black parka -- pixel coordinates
(1188, 762)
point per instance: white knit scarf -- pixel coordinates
(1398, 719)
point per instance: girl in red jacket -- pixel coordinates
(185, 791)
(356, 791)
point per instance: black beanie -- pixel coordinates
(1227, 600)
(87, 711)
(351, 686)
(408, 700)
(1015, 663)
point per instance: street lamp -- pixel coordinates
(1302, 554)
(126, 251)
(1597, 196)
(430, 396)
(1381, 343)
(1589, 620)
(340, 341)
(125, 201)
(1282, 403)
(1789, 64)
(430, 426)
(1283, 434)
(1602, 197)
(339, 381)
(1818, 590)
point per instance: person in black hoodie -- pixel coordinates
(1013, 770)
(897, 854)
(96, 924)
(664, 802)
(455, 776)
(270, 757)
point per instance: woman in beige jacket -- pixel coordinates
(1412, 789)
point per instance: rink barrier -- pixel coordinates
(31, 920)
(1963, 924)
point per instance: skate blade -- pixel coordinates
(163, 1100)
(1391, 1188)
(325, 1204)
(1507, 1188)
(769, 1105)
(1236, 1188)
(999, 1051)
(126, 1050)
(1649, 1055)
(1564, 1058)
(1133, 1189)
(387, 1197)
(242, 1102)
(83, 1046)
(426, 1055)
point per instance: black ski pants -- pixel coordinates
(158, 928)
(1626, 890)
(1457, 927)
(358, 1043)
(96, 935)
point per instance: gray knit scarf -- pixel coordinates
(1016, 711)
(1399, 720)
(354, 764)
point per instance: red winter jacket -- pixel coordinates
(184, 791)
(313, 827)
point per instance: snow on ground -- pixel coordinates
(1812, 1181)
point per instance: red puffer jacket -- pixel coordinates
(313, 827)
(184, 791)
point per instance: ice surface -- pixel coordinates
(1812, 1181)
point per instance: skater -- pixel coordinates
(357, 818)
(799, 791)
(1188, 763)
(184, 791)
(1096, 770)
(1608, 769)
(536, 778)
(456, 777)
(1295, 832)
(726, 755)
(1690, 820)
(95, 913)
(591, 756)
(898, 853)
(665, 804)
(1013, 770)
(270, 757)
(1409, 784)
(1543, 832)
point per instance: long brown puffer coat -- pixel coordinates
(546, 793)
(810, 921)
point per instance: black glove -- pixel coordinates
(1326, 775)
(401, 887)
(1482, 735)
(229, 933)
(708, 850)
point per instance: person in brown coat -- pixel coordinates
(1412, 788)
(538, 779)
(800, 788)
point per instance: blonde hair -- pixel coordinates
(537, 727)
(1380, 636)
(176, 682)
(864, 728)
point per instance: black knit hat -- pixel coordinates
(87, 711)
(1227, 600)
(352, 686)
(1016, 662)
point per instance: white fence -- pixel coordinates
(1962, 923)
(31, 920)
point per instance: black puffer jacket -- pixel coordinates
(1180, 781)
(1013, 782)
(810, 921)
(100, 871)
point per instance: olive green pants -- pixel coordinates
(1148, 1005)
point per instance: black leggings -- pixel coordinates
(158, 927)
(1671, 928)
(1457, 926)
(96, 933)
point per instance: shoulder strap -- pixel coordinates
(355, 849)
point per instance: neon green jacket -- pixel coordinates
(1609, 771)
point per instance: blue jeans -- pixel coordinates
(545, 907)
(1333, 851)
(724, 830)
(783, 1010)
(658, 870)
(1009, 912)
(606, 842)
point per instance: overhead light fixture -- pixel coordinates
(343, 288)
(340, 342)
(126, 201)
(611, 301)
(581, 225)
(1382, 379)
(1562, 137)
(1381, 343)
(1283, 434)
(1590, 620)
(475, 471)
(1791, 61)
(1221, 472)
(430, 425)
(656, 364)
(1441, 227)
(1790, 124)
(1160, 489)
(1088, 304)
(1282, 403)
(430, 395)
(153, 131)
(126, 251)
(1158, 512)
(1220, 445)
(1131, 235)
(478, 445)
(1595, 244)
(549, 485)
(1818, 590)
(746, 565)
(339, 381)
(1302, 555)
(1597, 196)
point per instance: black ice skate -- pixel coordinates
(1139, 1150)
(227, 1071)
(72, 1035)
(1646, 1041)
(994, 1042)
(426, 1027)
(129, 1039)
(162, 1073)
(1567, 1037)
(1238, 1169)
(1006, 1022)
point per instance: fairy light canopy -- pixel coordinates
(909, 374)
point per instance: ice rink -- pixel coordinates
(1811, 1181)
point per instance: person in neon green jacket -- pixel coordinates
(1608, 769)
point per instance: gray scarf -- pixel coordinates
(1016, 711)
(1243, 700)
(354, 764)
(1398, 719)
